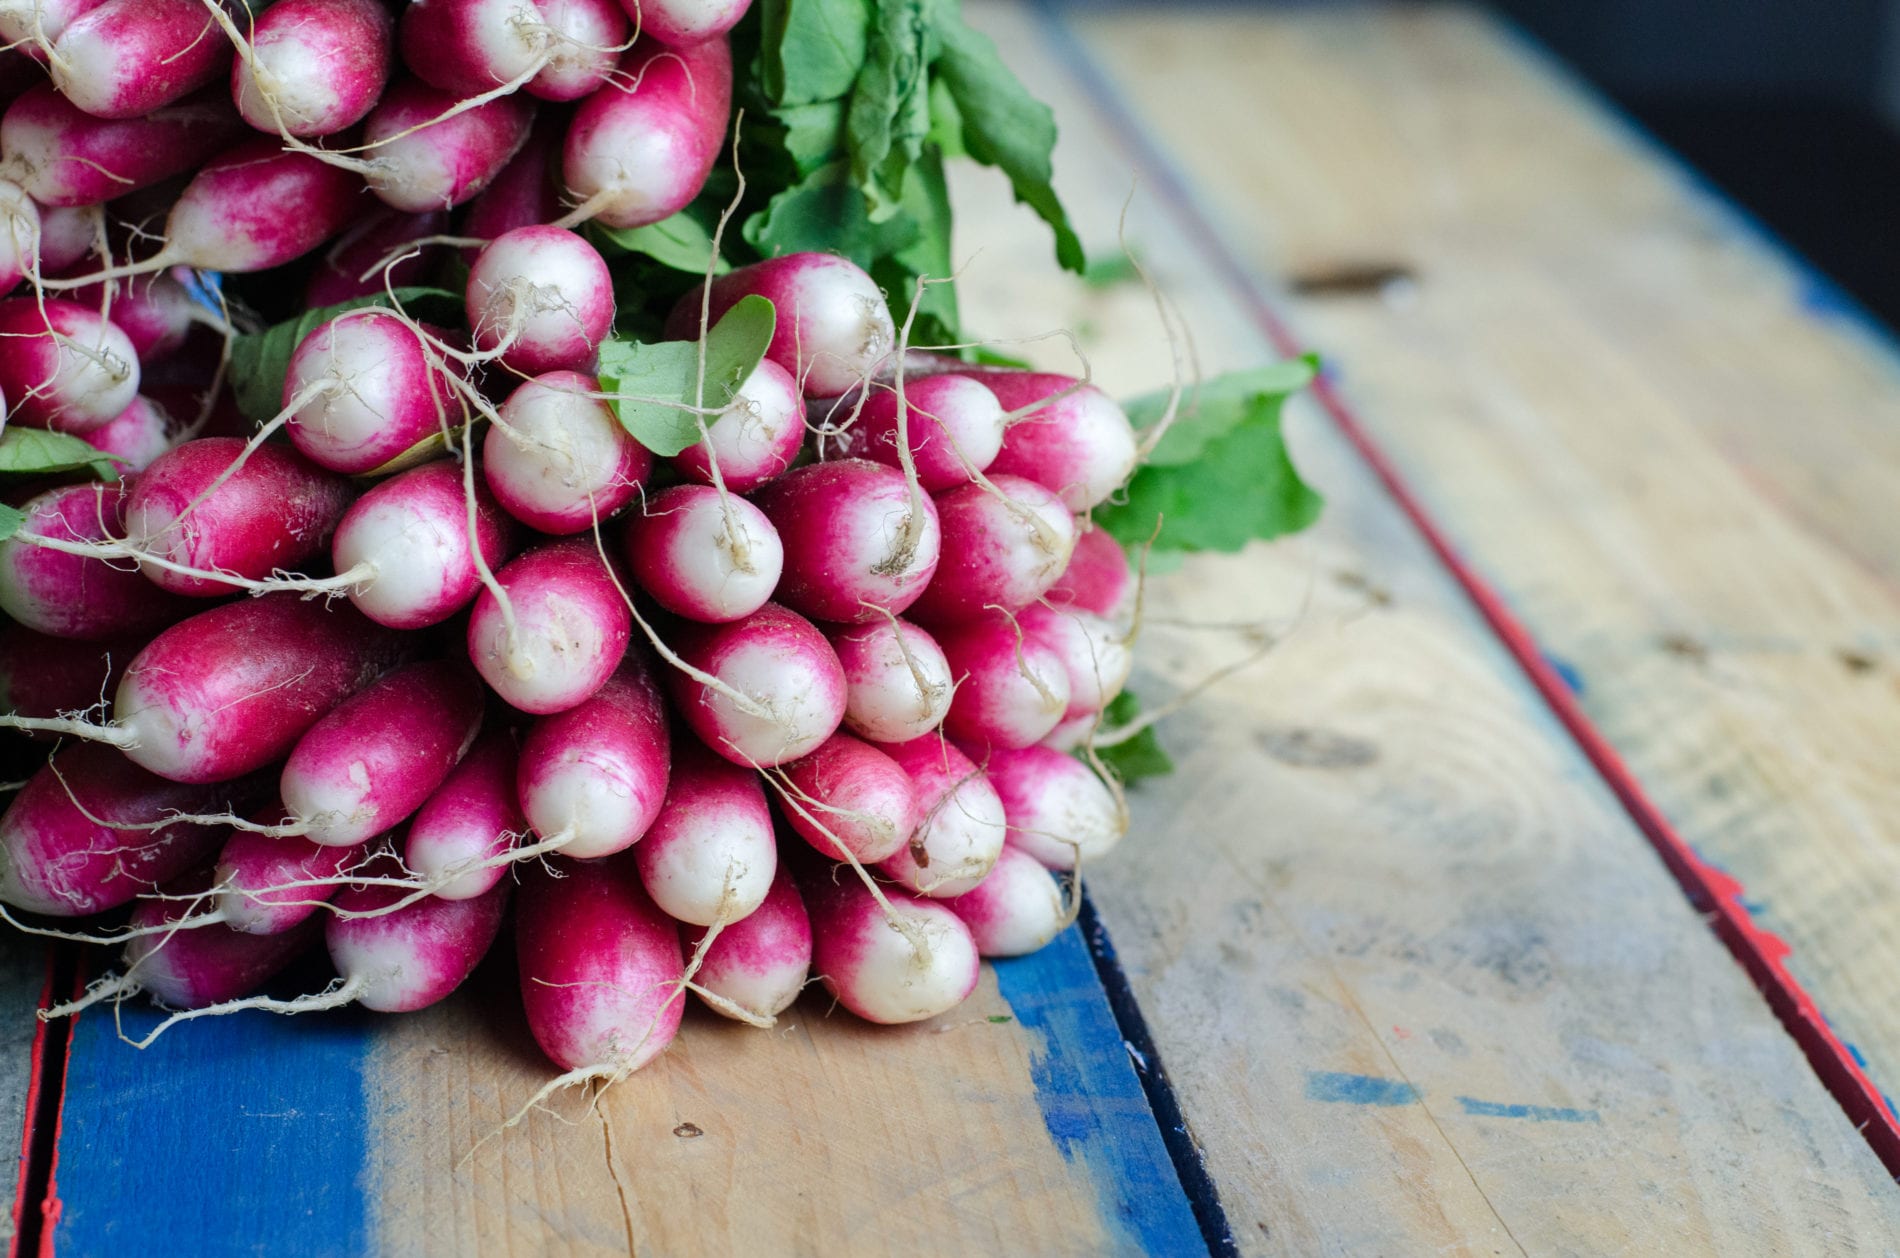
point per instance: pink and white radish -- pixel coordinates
(682, 23)
(77, 594)
(19, 240)
(459, 835)
(755, 438)
(558, 460)
(1098, 579)
(42, 676)
(525, 193)
(584, 45)
(540, 298)
(395, 957)
(850, 793)
(961, 826)
(426, 157)
(155, 312)
(898, 684)
(33, 25)
(68, 234)
(64, 366)
(703, 556)
(381, 249)
(1058, 810)
(756, 966)
(64, 156)
(1003, 546)
(710, 854)
(267, 883)
(1012, 687)
(376, 757)
(952, 425)
(593, 778)
(1080, 445)
(1015, 910)
(313, 67)
(640, 148)
(127, 58)
(859, 540)
(554, 49)
(875, 969)
(834, 327)
(198, 966)
(365, 388)
(764, 690)
(561, 634)
(1095, 653)
(403, 550)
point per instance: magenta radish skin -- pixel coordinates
(702, 557)
(639, 149)
(778, 660)
(473, 816)
(381, 392)
(257, 206)
(683, 23)
(761, 961)
(559, 460)
(954, 426)
(1081, 446)
(67, 234)
(898, 684)
(275, 512)
(1057, 807)
(541, 297)
(710, 854)
(205, 965)
(1015, 910)
(600, 967)
(996, 553)
(47, 379)
(869, 965)
(26, 22)
(1095, 654)
(63, 156)
(962, 824)
(127, 58)
(524, 194)
(256, 876)
(372, 254)
(860, 795)
(572, 623)
(232, 689)
(858, 541)
(467, 47)
(411, 957)
(54, 860)
(834, 326)
(322, 63)
(1098, 578)
(19, 240)
(1012, 687)
(755, 439)
(598, 772)
(581, 54)
(444, 163)
(154, 311)
(410, 535)
(42, 676)
(378, 755)
(77, 596)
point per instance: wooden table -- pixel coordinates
(1531, 896)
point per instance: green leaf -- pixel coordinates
(824, 213)
(11, 518)
(1141, 756)
(812, 50)
(1111, 271)
(657, 382)
(1005, 127)
(814, 134)
(1216, 407)
(681, 242)
(1221, 477)
(41, 452)
(260, 359)
(889, 115)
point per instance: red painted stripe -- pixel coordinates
(51, 1207)
(35, 1064)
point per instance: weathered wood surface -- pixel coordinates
(22, 979)
(1419, 982)
(1672, 448)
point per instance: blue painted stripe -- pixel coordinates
(1536, 1113)
(1348, 1089)
(239, 1135)
(1092, 1102)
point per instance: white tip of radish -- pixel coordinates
(962, 824)
(899, 684)
(757, 436)
(704, 557)
(543, 297)
(878, 971)
(710, 854)
(1095, 654)
(1057, 807)
(559, 460)
(1015, 910)
(760, 962)
(781, 690)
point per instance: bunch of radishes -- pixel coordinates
(798, 692)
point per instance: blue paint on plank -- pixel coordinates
(236, 1135)
(1535, 1113)
(1092, 1102)
(1349, 1089)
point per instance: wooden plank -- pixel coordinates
(23, 979)
(1419, 982)
(1670, 446)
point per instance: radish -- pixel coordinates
(681, 23)
(1001, 548)
(313, 67)
(585, 39)
(155, 312)
(953, 425)
(404, 550)
(200, 966)
(558, 460)
(859, 541)
(470, 820)
(190, 515)
(1012, 686)
(755, 438)
(365, 388)
(399, 959)
(561, 634)
(19, 239)
(962, 823)
(555, 49)
(850, 793)
(922, 966)
(755, 967)
(1097, 579)
(710, 854)
(64, 156)
(1015, 910)
(64, 366)
(779, 690)
(898, 684)
(371, 255)
(1058, 809)
(127, 58)
(43, 676)
(1095, 655)
(68, 234)
(426, 157)
(594, 777)
(601, 971)
(526, 191)
(1080, 445)
(88, 832)
(33, 25)
(834, 326)
(374, 759)
(640, 148)
(268, 883)
(79, 595)
(703, 556)
(541, 298)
